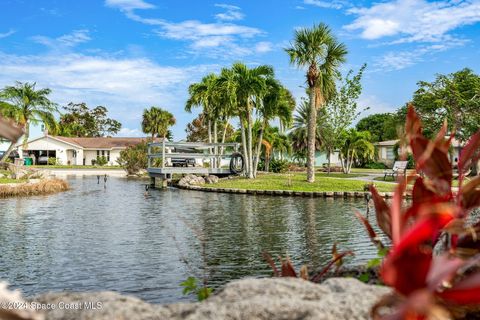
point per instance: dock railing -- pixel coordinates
(210, 151)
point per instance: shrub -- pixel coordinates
(278, 166)
(375, 165)
(101, 161)
(52, 161)
(134, 158)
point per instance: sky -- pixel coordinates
(129, 55)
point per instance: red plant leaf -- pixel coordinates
(434, 165)
(443, 270)
(413, 125)
(371, 233)
(470, 153)
(317, 277)
(287, 268)
(407, 265)
(270, 261)
(396, 210)
(382, 212)
(470, 194)
(466, 291)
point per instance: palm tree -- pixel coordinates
(299, 133)
(277, 102)
(157, 122)
(318, 49)
(356, 144)
(246, 87)
(25, 105)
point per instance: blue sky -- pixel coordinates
(131, 54)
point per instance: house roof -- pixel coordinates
(387, 143)
(102, 142)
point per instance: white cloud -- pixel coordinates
(218, 39)
(263, 46)
(231, 13)
(414, 20)
(7, 34)
(333, 4)
(124, 85)
(398, 60)
(127, 132)
(66, 40)
(128, 5)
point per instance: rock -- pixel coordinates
(210, 179)
(191, 180)
(13, 306)
(271, 298)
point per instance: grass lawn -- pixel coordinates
(78, 167)
(297, 182)
(337, 175)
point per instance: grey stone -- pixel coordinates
(210, 179)
(271, 298)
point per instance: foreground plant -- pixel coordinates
(433, 263)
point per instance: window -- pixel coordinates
(104, 153)
(390, 155)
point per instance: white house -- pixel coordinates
(78, 151)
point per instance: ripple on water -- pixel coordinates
(92, 238)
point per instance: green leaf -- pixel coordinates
(364, 277)
(382, 253)
(204, 293)
(374, 263)
(190, 285)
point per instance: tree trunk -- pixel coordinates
(328, 161)
(250, 146)
(215, 140)
(312, 125)
(259, 148)
(9, 150)
(209, 124)
(224, 134)
(244, 145)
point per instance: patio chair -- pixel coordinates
(399, 167)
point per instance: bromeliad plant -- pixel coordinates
(433, 263)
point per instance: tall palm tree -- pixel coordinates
(278, 102)
(318, 49)
(157, 122)
(25, 105)
(299, 133)
(248, 86)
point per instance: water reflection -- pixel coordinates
(91, 238)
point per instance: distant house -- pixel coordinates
(387, 156)
(78, 151)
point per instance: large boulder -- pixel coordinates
(210, 179)
(260, 299)
(191, 180)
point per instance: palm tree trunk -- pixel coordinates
(209, 124)
(328, 161)
(25, 139)
(244, 145)
(215, 140)
(250, 146)
(224, 135)
(312, 121)
(9, 150)
(259, 148)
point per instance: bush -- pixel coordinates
(134, 158)
(278, 166)
(54, 161)
(101, 161)
(375, 165)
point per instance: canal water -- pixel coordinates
(114, 237)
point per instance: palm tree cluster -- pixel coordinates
(26, 105)
(247, 94)
(156, 122)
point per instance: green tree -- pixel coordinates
(134, 158)
(319, 51)
(340, 112)
(299, 133)
(157, 122)
(197, 130)
(26, 105)
(81, 121)
(453, 97)
(382, 126)
(355, 145)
